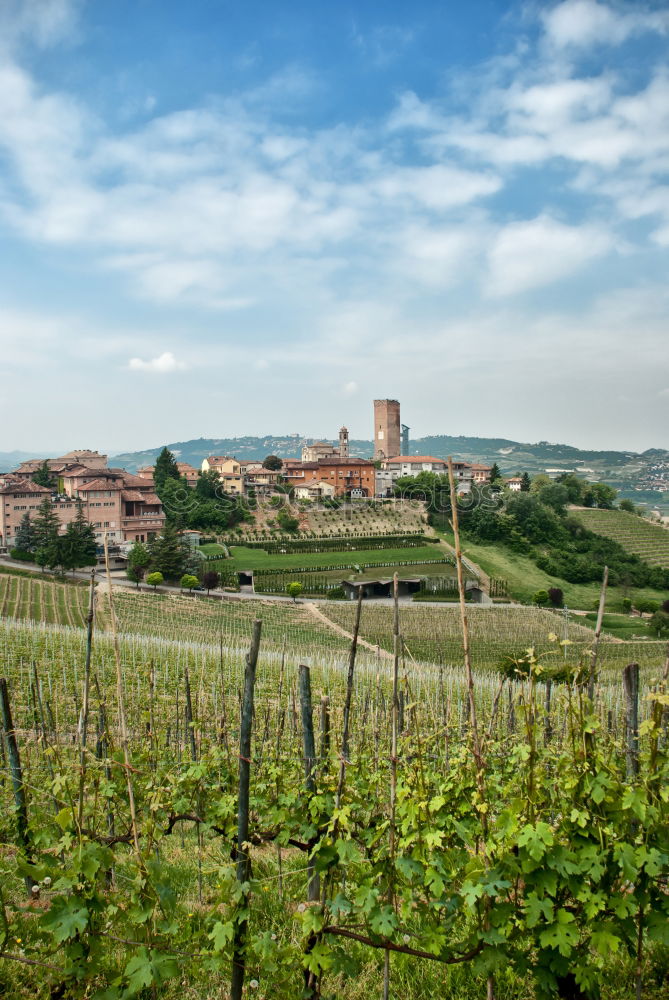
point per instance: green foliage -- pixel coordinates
(541, 598)
(21, 555)
(287, 522)
(25, 538)
(165, 468)
(138, 556)
(188, 581)
(273, 463)
(168, 553)
(659, 624)
(294, 589)
(155, 579)
(43, 477)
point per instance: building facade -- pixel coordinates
(353, 477)
(122, 505)
(387, 433)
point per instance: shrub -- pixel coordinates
(627, 605)
(556, 597)
(540, 598)
(294, 589)
(155, 579)
(188, 581)
(647, 607)
(21, 555)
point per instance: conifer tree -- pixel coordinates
(165, 468)
(45, 525)
(495, 474)
(525, 483)
(167, 552)
(25, 535)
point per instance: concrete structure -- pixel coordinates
(317, 490)
(405, 438)
(387, 438)
(350, 477)
(480, 473)
(393, 469)
(515, 484)
(113, 500)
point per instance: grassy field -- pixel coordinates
(525, 578)
(641, 538)
(248, 559)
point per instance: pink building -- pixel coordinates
(113, 500)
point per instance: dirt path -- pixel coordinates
(317, 613)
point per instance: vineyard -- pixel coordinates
(232, 800)
(638, 536)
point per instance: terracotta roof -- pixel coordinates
(136, 497)
(129, 481)
(98, 484)
(24, 486)
(416, 458)
(477, 465)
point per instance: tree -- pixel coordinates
(495, 473)
(525, 483)
(154, 579)
(43, 476)
(627, 505)
(294, 589)
(540, 598)
(46, 523)
(273, 463)
(188, 581)
(138, 557)
(167, 552)
(659, 624)
(80, 542)
(208, 485)
(136, 574)
(211, 580)
(25, 538)
(165, 468)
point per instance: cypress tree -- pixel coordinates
(43, 476)
(526, 482)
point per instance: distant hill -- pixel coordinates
(10, 459)
(511, 456)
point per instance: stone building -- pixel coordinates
(387, 433)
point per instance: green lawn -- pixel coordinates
(212, 549)
(621, 626)
(244, 558)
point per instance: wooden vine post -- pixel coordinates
(598, 631)
(395, 707)
(243, 860)
(631, 688)
(309, 744)
(16, 772)
(85, 700)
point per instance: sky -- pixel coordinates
(222, 218)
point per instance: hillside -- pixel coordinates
(509, 455)
(649, 542)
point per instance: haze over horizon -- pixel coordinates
(241, 218)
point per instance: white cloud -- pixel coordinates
(350, 388)
(163, 364)
(527, 255)
(581, 23)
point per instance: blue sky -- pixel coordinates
(220, 218)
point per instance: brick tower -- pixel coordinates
(386, 428)
(343, 442)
